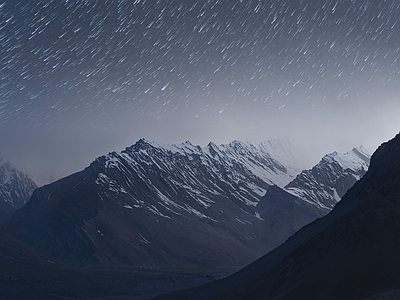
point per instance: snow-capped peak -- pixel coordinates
(327, 182)
(240, 169)
(356, 159)
(15, 188)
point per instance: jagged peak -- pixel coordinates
(235, 146)
(8, 172)
(272, 147)
(330, 157)
(349, 160)
(212, 144)
(141, 144)
(362, 153)
(212, 149)
(240, 147)
(184, 148)
(237, 143)
(7, 166)
(144, 141)
(248, 147)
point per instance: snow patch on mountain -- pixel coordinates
(356, 159)
(242, 171)
(196, 175)
(15, 189)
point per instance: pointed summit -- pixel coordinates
(15, 189)
(326, 183)
(142, 143)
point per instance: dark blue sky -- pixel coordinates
(80, 78)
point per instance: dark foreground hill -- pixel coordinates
(352, 253)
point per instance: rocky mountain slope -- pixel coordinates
(157, 206)
(284, 214)
(352, 253)
(327, 182)
(15, 190)
(154, 206)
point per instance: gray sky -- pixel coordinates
(82, 78)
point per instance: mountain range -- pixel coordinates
(153, 206)
(203, 211)
(351, 253)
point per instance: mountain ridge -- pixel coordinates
(213, 191)
(327, 182)
(174, 207)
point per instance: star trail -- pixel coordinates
(79, 78)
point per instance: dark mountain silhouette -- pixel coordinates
(352, 253)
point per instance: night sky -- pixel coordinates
(81, 78)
